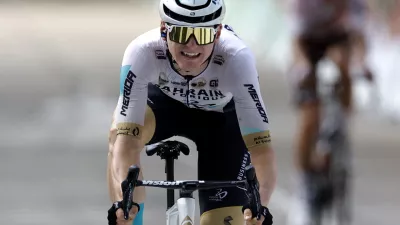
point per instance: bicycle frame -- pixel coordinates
(182, 212)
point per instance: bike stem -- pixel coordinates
(169, 151)
(169, 170)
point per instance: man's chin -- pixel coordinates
(190, 66)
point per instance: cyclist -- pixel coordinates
(193, 77)
(322, 28)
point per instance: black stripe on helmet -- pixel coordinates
(189, 19)
(178, 2)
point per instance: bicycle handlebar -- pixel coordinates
(190, 185)
(250, 185)
(127, 186)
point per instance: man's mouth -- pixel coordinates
(191, 55)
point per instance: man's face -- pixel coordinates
(190, 56)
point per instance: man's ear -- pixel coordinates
(163, 31)
(219, 30)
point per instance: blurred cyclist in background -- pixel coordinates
(333, 29)
(357, 18)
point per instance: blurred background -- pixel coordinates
(59, 69)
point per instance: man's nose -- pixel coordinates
(192, 42)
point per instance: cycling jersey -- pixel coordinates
(231, 73)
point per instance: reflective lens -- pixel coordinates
(181, 34)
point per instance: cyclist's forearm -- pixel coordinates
(263, 160)
(124, 153)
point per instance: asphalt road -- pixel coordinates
(59, 68)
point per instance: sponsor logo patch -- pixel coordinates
(160, 54)
(214, 83)
(257, 139)
(201, 82)
(131, 129)
(241, 174)
(218, 196)
(219, 60)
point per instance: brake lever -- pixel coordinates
(253, 189)
(127, 186)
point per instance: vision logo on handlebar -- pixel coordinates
(160, 182)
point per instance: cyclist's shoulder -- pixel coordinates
(149, 41)
(230, 45)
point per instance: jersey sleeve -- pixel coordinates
(243, 83)
(135, 75)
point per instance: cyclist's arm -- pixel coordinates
(125, 137)
(253, 121)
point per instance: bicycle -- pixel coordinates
(182, 211)
(330, 188)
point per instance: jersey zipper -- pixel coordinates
(188, 79)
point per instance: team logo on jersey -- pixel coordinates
(160, 54)
(162, 79)
(128, 84)
(254, 95)
(201, 82)
(219, 60)
(179, 83)
(192, 13)
(214, 83)
(194, 94)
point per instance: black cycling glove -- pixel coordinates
(112, 216)
(264, 212)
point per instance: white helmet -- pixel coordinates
(192, 12)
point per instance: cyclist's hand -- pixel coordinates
(120, 216)
(116, 214)
(249, 220)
